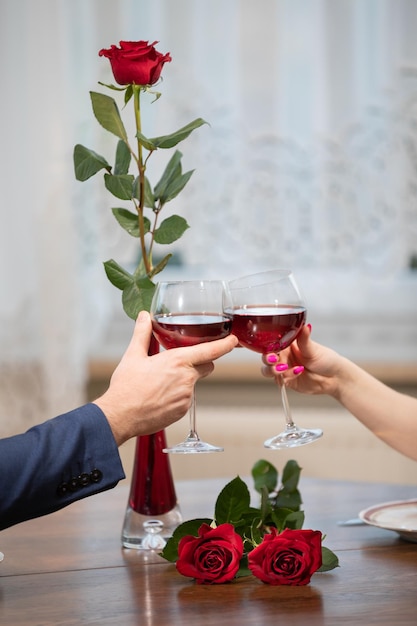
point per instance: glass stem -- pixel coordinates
(286, 404)
(192, 435)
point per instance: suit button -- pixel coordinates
(84, 479)
(96, 475)
(62, 489)
(73, 484)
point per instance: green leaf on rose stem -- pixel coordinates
(329, 560)
(232, 502)
(170, 229)
(289, 496)
(288, 499)
(120, 186)
(243, 567)
(110, 86)
(169, 141)
(107, 114)
(87, 163)
(118, 277)
(149, 197)
(265, 509)
(264, 474)
(130, 222)
(291, 475)
(160, 266)
(286, 518)
(172, 171)
(128, 93)
(175, 186)
(170, 551)
(256, 532)
(149, 200)
(296, 519)
(145, 142)
(123, 158)
(137, 297)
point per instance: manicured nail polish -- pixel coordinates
(272, 358)
(298, 370)
(281, 367)
(309, 327)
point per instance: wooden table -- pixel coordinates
(69, 568)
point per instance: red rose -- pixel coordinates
(212, 557)
(136, 62)
(289, 558)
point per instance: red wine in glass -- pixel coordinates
(188, 329)
(266, 329)
(268, 313)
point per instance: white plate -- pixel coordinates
(399, 516)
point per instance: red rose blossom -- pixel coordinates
(212, 557)
(288, 558)
(136, 62)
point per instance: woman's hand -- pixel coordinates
(304, 366)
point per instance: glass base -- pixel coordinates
(293, 437)
(193, 446)
(149, 532)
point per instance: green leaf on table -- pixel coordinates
(107, 114)
(120, 186)
(170, 229)
(123, 158)
(288, 499)
(232, 502)
(118, 276)
(265, 507)
(243, 567)
(264, 474)
(289, 496)
(171, 140)
(170, 551)
(291, 475)
(87, 163)
(329, 560)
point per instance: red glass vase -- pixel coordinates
(152, 500)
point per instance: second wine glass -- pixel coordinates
(268, 313)
(185, 313)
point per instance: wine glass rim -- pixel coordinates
(210, 281)
(264, 278)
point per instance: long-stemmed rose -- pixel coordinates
(240, 539)
(137, 66)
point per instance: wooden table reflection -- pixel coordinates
(69, 568)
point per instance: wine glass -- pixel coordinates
(185, 313)
(268, 313)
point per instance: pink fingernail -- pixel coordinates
(272, 358)
(281, 367)
(309, 327)
(298, 370)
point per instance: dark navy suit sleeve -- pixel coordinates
(55, 463)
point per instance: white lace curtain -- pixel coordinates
(309, 161)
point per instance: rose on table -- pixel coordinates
(267, 542)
